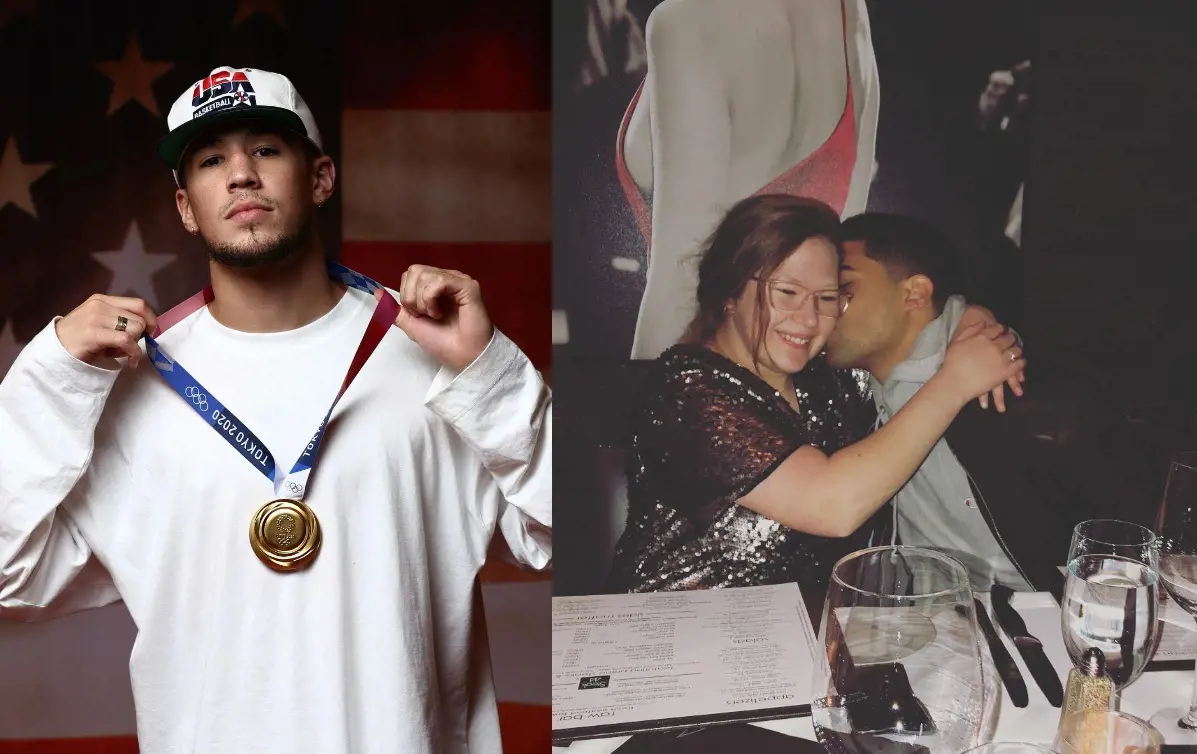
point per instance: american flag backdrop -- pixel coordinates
(436, 114)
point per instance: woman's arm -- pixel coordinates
(833, 495)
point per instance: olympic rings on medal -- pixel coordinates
(295, 488)
(199, 399)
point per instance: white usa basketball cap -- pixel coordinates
(228, 94)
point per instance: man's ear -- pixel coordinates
(324, 179)
(183, 203)
(919, 292)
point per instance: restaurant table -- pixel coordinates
(1035, 723)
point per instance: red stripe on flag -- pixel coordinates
(502, 572)
(526, 728)
(107, 745)
(446, 176)
(466, 55)
(515, 279)
(501, 566)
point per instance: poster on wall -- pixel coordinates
(667, 113)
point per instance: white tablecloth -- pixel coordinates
(1034, 723)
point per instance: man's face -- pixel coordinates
(872, 325)
(251, 193)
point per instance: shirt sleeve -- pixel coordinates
(50, 404)
(712, 441)
(501, 408)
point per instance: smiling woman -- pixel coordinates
(764, 264)
(745, 467)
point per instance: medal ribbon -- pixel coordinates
(232, 429)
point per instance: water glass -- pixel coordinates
(1111, 596)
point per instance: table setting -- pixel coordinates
(908, 659)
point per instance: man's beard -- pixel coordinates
(262, 252)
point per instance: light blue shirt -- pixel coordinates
(936, 508)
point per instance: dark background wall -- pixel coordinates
(1102, 286)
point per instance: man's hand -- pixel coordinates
(444, 314)
(106, 327)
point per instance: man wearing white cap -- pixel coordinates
(345, 621)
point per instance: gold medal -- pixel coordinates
(285, 535)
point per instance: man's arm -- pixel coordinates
(488, 390)
(502, 409)
(50, 404)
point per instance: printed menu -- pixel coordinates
(627, 663)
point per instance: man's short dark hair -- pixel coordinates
(907, 246)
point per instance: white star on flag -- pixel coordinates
(133, 78)
(17, 176)
(133, 269)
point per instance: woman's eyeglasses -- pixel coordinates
(788, 296)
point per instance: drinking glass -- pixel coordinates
(1176, 526)
(900, 665)
(1106, 732)
(1111, 596)
(1011, 747)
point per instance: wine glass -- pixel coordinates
(1111, 596)
(1177, 528)
(900, 666)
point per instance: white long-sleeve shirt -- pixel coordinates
(111, 487)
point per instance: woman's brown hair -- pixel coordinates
(753, 239)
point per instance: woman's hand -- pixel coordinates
(981, 359)
(973, 314)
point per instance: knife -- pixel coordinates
(1007, 669)
(1029, 647)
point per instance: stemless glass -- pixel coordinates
(1011, 747)
(1111, 596)
(1106, 732)
(900, 666)
(1176, 526)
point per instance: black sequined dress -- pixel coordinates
(705, 431)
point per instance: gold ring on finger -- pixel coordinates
(121, 323)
